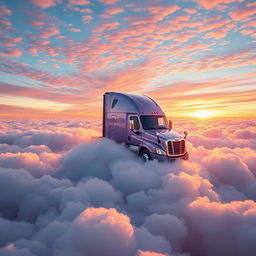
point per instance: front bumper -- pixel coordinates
(162, 158)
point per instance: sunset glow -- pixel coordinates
(203, 114)
(59, 57)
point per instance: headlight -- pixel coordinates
(159, 151)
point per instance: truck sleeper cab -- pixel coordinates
(140, 123)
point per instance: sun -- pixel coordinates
(203, 114)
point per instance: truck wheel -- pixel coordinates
(145, 155)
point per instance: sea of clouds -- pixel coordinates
(65, 192)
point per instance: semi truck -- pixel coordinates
(139, 122)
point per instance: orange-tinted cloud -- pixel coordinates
(108, 1)
(209, 4)
(10, 52)
(44, 3)
(79, 2)
(86, 19)
(4, 10)
(243, 13)
(114, 11)
(48, 32)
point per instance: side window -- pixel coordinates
(114, 102)
(135, 121)
(161, 121)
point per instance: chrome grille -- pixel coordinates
(176, 147)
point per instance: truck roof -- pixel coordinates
(141, 104)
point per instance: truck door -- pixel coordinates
(134, 132)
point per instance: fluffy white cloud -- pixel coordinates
(97, 198)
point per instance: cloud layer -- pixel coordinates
(65, 192)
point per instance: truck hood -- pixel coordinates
(165, 134)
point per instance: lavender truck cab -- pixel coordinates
(140, 123)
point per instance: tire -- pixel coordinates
(145, 155)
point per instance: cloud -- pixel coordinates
(86, 155)
(75, 29)
(79, 2)
(168, 226)
(223, 224)
(246, 134)
(148, 253)
(96, 197)
(108, 1)
(229, 169)
(151, 243)
(4, 10)
(213, 133)
(44, 3)
(114, 11)
(208, 4)
(112, 229)
(86, 18)
(11, 52)
(48, 32)
(242, 13)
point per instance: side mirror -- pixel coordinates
(131, 125)
(185, 134)
(170, 124)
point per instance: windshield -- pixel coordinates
(154, 122)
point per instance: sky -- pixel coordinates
(195, 58)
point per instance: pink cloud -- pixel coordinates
(114, 11)
(190, 11)
(229, 169)
(108, 1)
(5, 22)
(204, 206)
(149, 253)
(155, 14)
(247, 31)
(86, 19)
(10, 41)
(82, 10)
(216, 221)
(79, 2)
(4, 10)
(48, 32)
(246, 134)
(44, 3)
(163, 10)
(107, 225)
(209, 4)
(213, 133)
(243, 13)
(75, 29)
(219, 32)
(37, 23)
(30, 161)
(11, 52)
(107, 26)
